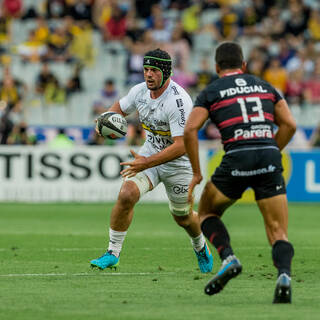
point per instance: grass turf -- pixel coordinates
(44, 266)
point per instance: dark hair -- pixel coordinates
(161, 60)
(229, 55)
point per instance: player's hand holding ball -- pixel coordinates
(111, 125)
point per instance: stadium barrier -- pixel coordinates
(92, 174)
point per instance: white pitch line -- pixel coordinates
(84, 274)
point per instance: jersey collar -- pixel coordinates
(233, 73)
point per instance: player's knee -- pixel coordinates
(179, 209)
(128, 196)
(183, 221)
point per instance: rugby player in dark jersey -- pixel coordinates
(245, 110)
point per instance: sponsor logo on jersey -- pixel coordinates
(180, 188)
(256, 131)
(158, 143)
(182, 120)
(240, 173)
(241, 90)
(175, 91)
(179, 103)
(160, 122)
(240, 82)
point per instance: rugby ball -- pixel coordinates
(112, 125)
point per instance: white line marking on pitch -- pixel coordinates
(84, 274)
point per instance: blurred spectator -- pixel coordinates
(143, 7)
(44, 78)
(59, 45)
(160, 31)
(11, 90)
(74, 84)
(81, 47)
(61, 140)
(273, 25)
(55, 8)
(312, 86)
(191, 18)
(55, 92)
(115, 27)
(298, 20)
(204, 76)
(80, 9)
(276, 75)
(136, 51)
(301, 60)
(248, 21)
(20, 135)
(41, 32)
(314, 25)
(12, 8)
(32, 50)
(228, 24)
(295, 88)
(108, 96)
(6, 124)
(5, 30)
(179, 49)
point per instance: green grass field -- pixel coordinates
(45, 274)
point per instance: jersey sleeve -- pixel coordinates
(202, 101)
(128, 102)
(277, 94)
(179, 110)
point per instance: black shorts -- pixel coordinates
(260, 169)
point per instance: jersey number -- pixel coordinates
(255, 108)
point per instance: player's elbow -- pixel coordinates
(292, 127)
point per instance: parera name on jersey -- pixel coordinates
(239, 90)
(255, 131)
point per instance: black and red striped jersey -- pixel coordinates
(242, 108)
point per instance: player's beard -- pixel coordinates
(153, 86)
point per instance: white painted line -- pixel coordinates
(85, 274)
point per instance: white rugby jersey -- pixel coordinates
(162, 118)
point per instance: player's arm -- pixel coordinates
(116, 108)
(195, 121)
(283, 118)
(141, 163)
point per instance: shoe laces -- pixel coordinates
(109, 252)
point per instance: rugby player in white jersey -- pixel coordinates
(163, 108)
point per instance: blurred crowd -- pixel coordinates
(281, 41)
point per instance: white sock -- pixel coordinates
(198, 242)
(116, 239)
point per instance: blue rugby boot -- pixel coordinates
(108, 260)
(205, 259)
(230, 268)
(282, 293)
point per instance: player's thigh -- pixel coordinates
(275, 214)
(176, 182)
(213, 201)
(144, 181)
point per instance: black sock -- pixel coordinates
(282, 254)
(216, 232)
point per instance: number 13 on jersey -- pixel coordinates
(257, 107)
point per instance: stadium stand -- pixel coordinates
(86, 42)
